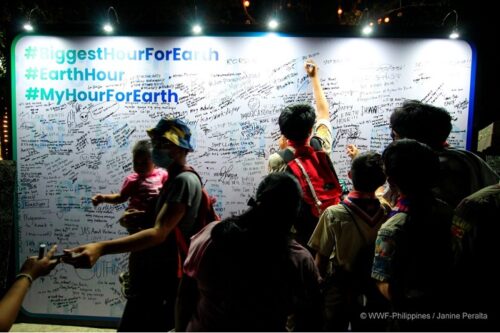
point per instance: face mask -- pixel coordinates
(161, 157)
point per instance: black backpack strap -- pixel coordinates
(286, 155)
(316, 143)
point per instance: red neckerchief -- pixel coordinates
(350, 201)
(402, 206)
(302, 148)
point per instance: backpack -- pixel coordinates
(314, 170)
(462, 173)
(206, 214)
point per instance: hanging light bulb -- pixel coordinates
(108, 27)
(454, 33)
(367, 30)
(28, 26)
(273, 24)
(197, 29)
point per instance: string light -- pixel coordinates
(108, 27)
(5, 134)
(249, 19)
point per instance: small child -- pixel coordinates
(141, 188)
(344, 240)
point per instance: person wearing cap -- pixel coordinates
(154, 259)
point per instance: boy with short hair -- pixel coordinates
(461, 172)
(344, 240)
(305, 154)
(413, 257)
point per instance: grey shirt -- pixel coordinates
(186, 189)
(153, 271)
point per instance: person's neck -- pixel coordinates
(146, 174)
(298, 143)
(177, 165)
(362, 195)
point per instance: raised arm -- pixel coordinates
(322, 108)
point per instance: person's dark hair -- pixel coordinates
(367, 172)
(423, 122)
(296, 121)
(142, 147)
(412, 166)
(275, 209)
(253, 254)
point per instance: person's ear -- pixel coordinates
(395, 136)
(282, 142)
(349, 174)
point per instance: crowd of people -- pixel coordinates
(412, 237)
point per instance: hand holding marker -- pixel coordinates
(41, 251)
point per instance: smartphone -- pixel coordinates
(59, 256)
(64, 255)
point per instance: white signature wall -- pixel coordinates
(81, 102)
